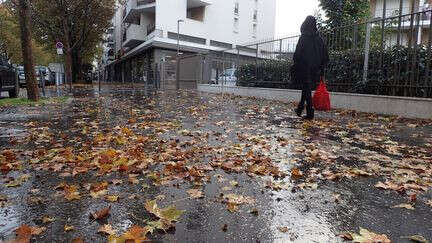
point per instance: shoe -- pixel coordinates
(310, 115)
(298, 112)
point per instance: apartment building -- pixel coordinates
(421, 22)
(146, 32)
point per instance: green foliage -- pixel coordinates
(344, 12)
(268, 73)
(25, 101)
(345, 72)
(10, 40)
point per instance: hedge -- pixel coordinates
(345, 72)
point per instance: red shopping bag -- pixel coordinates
(321, 98)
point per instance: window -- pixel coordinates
(196, 13)
(236, 8)
(236, 24)
(254, 30)
(255, 16)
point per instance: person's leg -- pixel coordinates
(301, 104)
(309, 105)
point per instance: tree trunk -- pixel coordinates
(79, 67)
(26, 44)
(74, 67)
(68, 56)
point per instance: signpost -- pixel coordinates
(59, 47)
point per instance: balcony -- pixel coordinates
(198, 3)
(134, 35)
(136, 7)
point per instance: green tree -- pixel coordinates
(344, 12)
(10, 40)
(79, 24)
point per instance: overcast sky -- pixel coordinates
(290, 14)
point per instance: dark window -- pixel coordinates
(187, 38)
(220, 44)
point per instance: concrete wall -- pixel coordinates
(387, 105)
(218, 21)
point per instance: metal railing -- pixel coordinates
(384, 56)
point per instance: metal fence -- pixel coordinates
(384, 56)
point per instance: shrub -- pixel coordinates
(345, 72)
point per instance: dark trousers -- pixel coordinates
(306, 97)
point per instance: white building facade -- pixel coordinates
(421, 22)
(146, 31)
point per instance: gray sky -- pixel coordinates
(290, 14)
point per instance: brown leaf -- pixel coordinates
(71, 192)
(77, 240)
(100, 214)
(23, 233)
(296, 173)
(232, 207)
(136, 233)
(68, 228)
(107, 229)
(283, 229)
(47, 219)
(195, 193)
(112, 198)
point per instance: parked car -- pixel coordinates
(39, 71)
(228, 77)
(21, 76)
(45, 72)
(8, 78)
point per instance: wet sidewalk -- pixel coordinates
(225, 168)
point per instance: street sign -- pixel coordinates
(59, 45)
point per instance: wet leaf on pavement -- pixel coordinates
(101, 213)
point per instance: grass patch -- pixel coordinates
(24, 101)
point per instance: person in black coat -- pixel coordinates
(310, 58)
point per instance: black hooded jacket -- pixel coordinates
(311, 55)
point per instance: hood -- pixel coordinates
(309, 26)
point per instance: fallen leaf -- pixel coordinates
(117, 182)
(232, 207)
(160, 224)
(195, 193)
(47, 219)
(107, 229)
(225, 228)
(366, 236)
(136, 233)
(133, 179)
(233, 183)
(98, 194)
(77, 240)
(68, 228)
(416, 238)
(296, 173)
(23, 233)
(112, 198)
(169, 213)
(346, 236)
(71, 192)
(254, 211)
(283, 229)
(404, 205)
(100, 214)
(37, 230)
(98, 189)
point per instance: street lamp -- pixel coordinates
(178, 54)
(178, 35)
